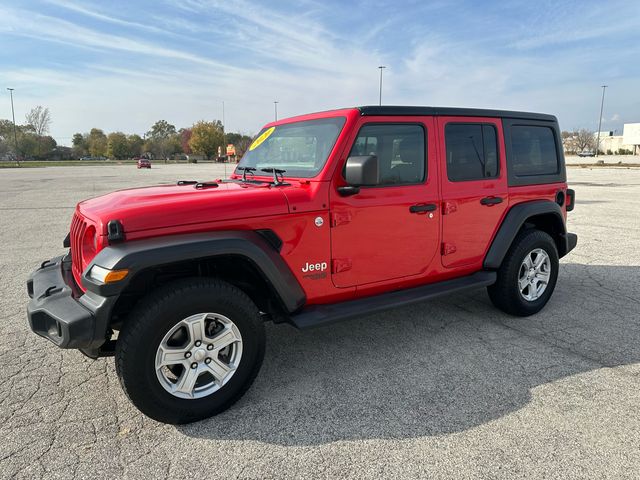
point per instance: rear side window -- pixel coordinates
(534, 151)
(472, 151)
(400, 149)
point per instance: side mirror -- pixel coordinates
(362, 171)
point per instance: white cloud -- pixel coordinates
(134, 79)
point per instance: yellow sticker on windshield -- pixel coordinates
(258, 141)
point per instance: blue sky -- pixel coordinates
(123, 65)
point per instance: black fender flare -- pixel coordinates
(513, 222)
(137, 256)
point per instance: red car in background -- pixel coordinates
(144, 163)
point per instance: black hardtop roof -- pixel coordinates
(400, 110)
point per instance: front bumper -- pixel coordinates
(61, 313)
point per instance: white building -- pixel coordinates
(631, 136)
(629, 140)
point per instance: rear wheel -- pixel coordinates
(190, 350)
(528, 274)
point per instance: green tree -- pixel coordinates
(6, 137)
(161, 129)
(97, 143)
(28, 144)
(46, 145)
(117, 145)
(135, 144)
(206, 137)
(80, 144)
(163, 139)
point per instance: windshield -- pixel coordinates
(300, 149)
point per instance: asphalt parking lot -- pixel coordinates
(447, 389)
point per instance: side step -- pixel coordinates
(318, 315)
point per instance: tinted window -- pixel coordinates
(534, 150)
(472, 151)
(400, 150)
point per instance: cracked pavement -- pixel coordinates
(451, 388)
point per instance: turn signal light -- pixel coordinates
(105, 275)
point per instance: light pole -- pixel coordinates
(275, 106)
(600, 119)
(15, 135)
(224, 129)
(381, 67)
(224, 142)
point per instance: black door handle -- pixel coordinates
(430, 207)
(491, 200)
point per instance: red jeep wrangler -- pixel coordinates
(327, 216)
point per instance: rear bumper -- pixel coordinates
(59, 312)
(569, 240)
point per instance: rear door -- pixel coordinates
(474, 186)
(391, 230)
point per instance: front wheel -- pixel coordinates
(527, 276)
(190, 350)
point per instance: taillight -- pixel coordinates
(571, 199)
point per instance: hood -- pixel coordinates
(174, 205)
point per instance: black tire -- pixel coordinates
(155, 316)
(505, 293)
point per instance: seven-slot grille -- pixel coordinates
(78, 227)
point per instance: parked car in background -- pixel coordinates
(587, 153)
(144, 163)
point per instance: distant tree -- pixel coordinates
(240, 141)
(162, 139)
(4, 147)
(233, 138)
(39, 120)
(6, 130)
(135, 144)
(117, 145)
(80, 144)
(185, 136)
(28, 143)
(97, 143)
(6, 137)
(584, 140)
(47, 146)
(206, 137)
(578, 141)
(161, 129)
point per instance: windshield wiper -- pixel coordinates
(276, 172)
(246, 170)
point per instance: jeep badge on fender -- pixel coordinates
(310, 267)
(420, 201)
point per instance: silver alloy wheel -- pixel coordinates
(534, 274)
(199, 355)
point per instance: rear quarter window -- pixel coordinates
(533, 151)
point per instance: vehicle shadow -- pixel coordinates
(434, 368)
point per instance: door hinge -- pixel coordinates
(448, 248)
(340, 265)
(449, 207)
(340, 218)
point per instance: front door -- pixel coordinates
(391, 230)
(474, 187)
